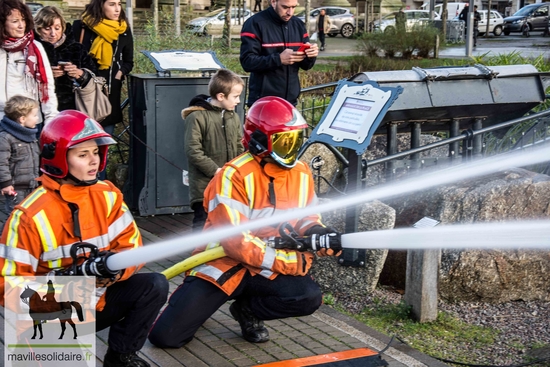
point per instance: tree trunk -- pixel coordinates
(226, 34)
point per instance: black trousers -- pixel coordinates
(197, 299)
(199, 217)
(322, 36)
(131, 309)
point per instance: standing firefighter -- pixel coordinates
(73, 208)
(266, 283)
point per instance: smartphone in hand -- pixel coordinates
(63, 63)
(303, 47)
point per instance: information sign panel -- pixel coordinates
(354, 114)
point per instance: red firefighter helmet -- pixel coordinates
(67, 129)
(274, 128)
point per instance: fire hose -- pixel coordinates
(503, 235)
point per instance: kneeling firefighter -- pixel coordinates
(266, 282)
(72, 222)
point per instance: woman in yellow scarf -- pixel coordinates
(104, 32)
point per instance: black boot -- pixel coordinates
(114, 359)
(253, 329)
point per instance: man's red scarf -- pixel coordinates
(34, 62)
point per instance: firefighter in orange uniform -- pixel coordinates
(73, 207)
(266, 283)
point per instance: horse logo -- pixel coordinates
(47, 308)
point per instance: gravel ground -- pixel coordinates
(522, 325)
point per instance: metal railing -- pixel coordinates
(315, 100)
(533, 129)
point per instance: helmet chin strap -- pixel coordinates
(78, 182)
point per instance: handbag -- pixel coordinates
(93, 98)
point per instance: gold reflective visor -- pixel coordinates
(285, 146)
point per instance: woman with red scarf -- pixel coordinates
(24, 65)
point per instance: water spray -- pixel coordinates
(486, 166)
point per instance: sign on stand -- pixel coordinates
(350, 120)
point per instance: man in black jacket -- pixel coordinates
(269, 51)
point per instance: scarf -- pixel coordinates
(19, 131)
(107, 32)
(60, 42)
(34, 67)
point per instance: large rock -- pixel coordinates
(354, 281)
(331, 169)
(488, 276)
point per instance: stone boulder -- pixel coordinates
(354, 281)
(493, 276)
(330, 170)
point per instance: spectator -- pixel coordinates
(18, 152)
(266, 41)
(57, 38)
(74, 147)
(257, 5)
(323, 27)
(266, 283)
(477, 18)
(213, 135)
(104, 32)
(400, 21)
(463, 16)
(24, 66)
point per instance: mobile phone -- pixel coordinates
(303, 47)
(63, 63)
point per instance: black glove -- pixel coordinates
(319, 229)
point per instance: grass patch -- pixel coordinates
(442, 338)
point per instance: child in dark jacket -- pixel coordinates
(18, 152)
(213, 135)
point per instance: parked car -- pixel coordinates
(495, 23)
(35, 7)
(453, 9)
(343, 21)
(533, 16)
(387, 23)
(212, 23)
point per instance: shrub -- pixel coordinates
(421, 38)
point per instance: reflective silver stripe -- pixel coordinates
(49, 242)
(231, 203)
(269, 258)
(47, 237)
(19, 255)
(304, 190)
(119, 225)
(211, 271)
(266, 273)
(102, 243)
(110, 200)
(249, 187)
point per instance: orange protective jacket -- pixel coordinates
(38, 235)
(240, 193)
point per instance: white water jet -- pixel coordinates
(502, 235)
(442, 177)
